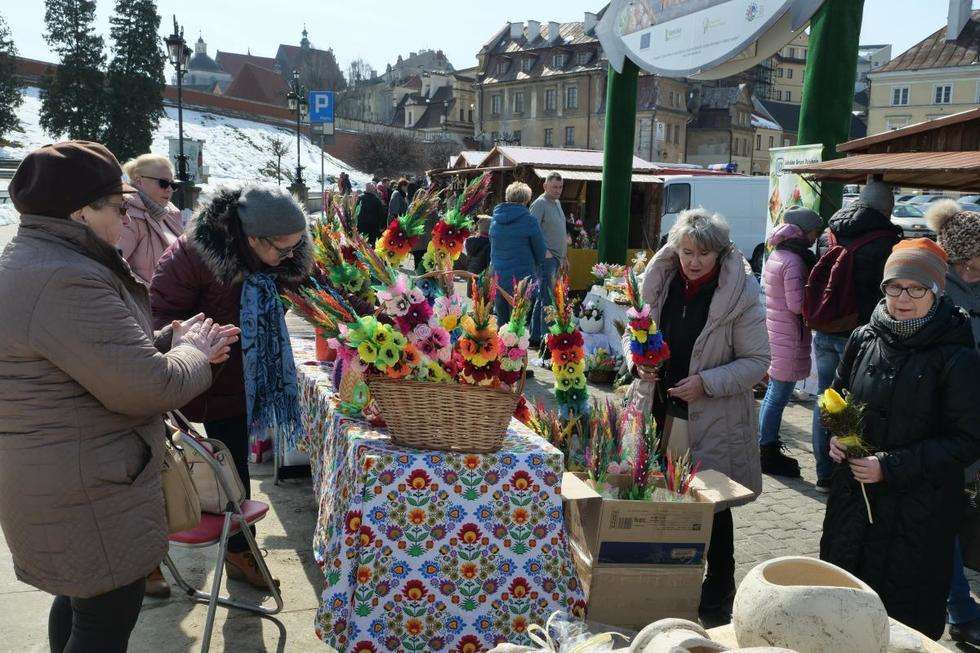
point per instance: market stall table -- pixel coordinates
(428, 550)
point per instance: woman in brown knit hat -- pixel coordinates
(958, 232)
(913, 367)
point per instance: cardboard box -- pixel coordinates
(640, 561)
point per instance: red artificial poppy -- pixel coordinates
(469, 534)
(414, 590)
(418, 479)
(565, 341)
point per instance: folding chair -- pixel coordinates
(217, 528)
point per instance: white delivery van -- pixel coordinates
(742, 200)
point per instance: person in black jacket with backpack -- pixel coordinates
(867, 224)
(914, 369)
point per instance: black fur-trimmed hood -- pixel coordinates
(215, 232)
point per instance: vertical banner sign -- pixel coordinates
(787, 189)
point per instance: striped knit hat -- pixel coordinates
(919, 259)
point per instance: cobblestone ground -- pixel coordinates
(787, 518)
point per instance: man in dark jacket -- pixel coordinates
(398, 203)
(872, 212)
(371, 219)
(478, 247)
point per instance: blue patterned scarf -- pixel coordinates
(271, 392)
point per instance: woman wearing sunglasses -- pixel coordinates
(154, 222)
(914, 367)
(239, 250)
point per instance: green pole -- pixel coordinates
(828, 86)
(617, 163)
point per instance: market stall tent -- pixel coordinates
(582, 172)
(941, 154)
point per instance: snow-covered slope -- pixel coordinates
(234, 149)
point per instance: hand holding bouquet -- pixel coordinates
(842, 418)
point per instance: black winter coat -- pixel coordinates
(848, 225)
(923, 417)
(371, 220)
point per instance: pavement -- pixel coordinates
(785, 520)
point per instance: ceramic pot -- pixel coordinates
(324, 352)
(809, 606)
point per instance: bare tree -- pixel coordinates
(435, 155)
(358, 72)
(388, 153)
(273, 167)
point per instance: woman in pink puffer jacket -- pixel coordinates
(784, 279)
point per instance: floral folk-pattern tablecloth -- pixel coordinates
(431, 551)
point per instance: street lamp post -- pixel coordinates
(298, 103)
(179, 54)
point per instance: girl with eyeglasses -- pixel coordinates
(914, 368)
(154, 222)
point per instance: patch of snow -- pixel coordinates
(764, 123)
(234, 149)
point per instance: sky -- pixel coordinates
(380, 30)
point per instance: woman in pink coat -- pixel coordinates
(154, 223)
(784, 279)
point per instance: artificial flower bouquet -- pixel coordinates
(405, 231)
(647, 345)
(515, 337)
(602, 366)
(567, 348)
(608, 272)
(566, 435)
(842, 418)
(451, 231)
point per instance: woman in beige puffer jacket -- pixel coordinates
(84, 381)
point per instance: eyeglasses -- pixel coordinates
(895, 290)
(283, 252)
(164, 183)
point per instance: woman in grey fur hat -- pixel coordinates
(958, 232)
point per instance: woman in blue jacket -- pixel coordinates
(516, 245)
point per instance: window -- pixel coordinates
(735, 147)
(672, 99)
(526, 64)
(550, 99)
(549, 137)
(944, 94)
(758, 141)
(571, 97)
(792, 53)
(558, 61)
(583, 57)
(519, 102)
(470, 116)
(789, 96)
(462, 115)
(779, 95)
(786, 142)
(569, 136)
(517, 136)
(803, 54)
(501, 68)
(677, 135)
(496, 104)
(900, 96)
(780, 72)
(677, 198)
(668, 128)
(771, 144)
(896, 122)
(789, 73)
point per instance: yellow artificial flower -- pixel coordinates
(368, 352)
(639, 336)
(831, 401)
(449, 322)
(578, 382)
(469, 326)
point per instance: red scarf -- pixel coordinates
(692, 288)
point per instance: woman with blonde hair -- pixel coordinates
(516, 243)
(154, 222)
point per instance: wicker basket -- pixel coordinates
(444, 416)
(602, 377)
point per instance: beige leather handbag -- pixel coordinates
(179, 493)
